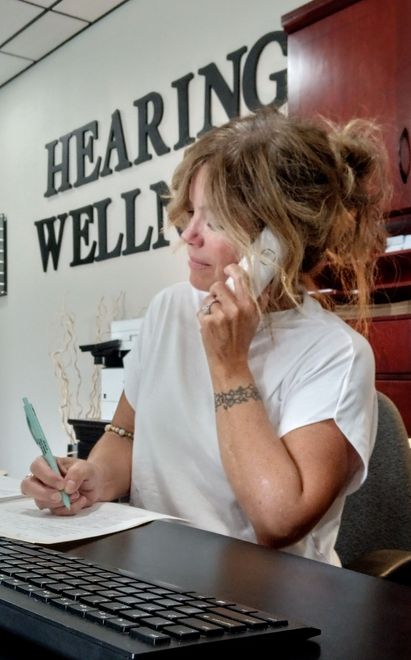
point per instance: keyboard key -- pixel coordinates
(187, 610)
(200, 603)
(150, 607)
(244, 609)
(77, 582)
(27, 575)
(57, 587)
(172, 615)
(90, 579)
(140, 585)
(134, 615)
(80, 608)
(219, 603)
(112, 607)
(42, 594)
(206, 628)
(270, 618)
(76, 594)
(26, 588)
(98, 616)
(228, 624)
(119, 624)
(11, 582)
(161, 592)
(129, 600)
(147, 596)
(40, 581)
(58, 577)
(11, 570)
(182, 598)
(153, 637)
(166, 602)
(248, 620)
(156, 622)
(182, 632)
(196, 596)
(108, 593)
(93, 599)
(127, 591)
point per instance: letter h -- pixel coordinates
(53, 168)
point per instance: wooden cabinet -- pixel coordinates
(393, 282)
(351, 58)
(390, 337)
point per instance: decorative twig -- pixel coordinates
(67, 368)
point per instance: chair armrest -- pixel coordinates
(394, 565)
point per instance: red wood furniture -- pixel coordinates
(351, 58)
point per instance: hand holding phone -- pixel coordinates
(41, 440)
(265, 261)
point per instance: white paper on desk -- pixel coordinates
(10, 489)
(22, 520)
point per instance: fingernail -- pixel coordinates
(56, 497)
(70, 487)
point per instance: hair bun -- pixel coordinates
(360, 153)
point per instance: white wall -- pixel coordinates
(141, 47)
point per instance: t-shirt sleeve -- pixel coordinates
(134, 362)
(338, 382)
(131, 363)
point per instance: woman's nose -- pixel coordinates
(193, 233)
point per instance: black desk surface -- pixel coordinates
(361, 618)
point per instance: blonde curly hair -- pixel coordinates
(320, 187)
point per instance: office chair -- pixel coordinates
(375, 532)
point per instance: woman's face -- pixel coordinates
(209, 252)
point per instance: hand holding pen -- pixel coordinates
(40, 439)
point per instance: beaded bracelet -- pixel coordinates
(119, 431)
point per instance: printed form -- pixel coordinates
(20, 519)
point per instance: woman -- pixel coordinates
(251, 416)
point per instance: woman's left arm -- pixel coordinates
(284, 485)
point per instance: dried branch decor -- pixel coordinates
(67, 369)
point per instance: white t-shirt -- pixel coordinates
(308, 366)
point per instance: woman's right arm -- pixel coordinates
(104, 476)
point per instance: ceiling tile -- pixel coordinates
(45, 34)
(43, 3)
(14, 16)
(90, 10)
(11, 65)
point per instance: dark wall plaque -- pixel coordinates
(3, 255)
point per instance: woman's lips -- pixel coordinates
(197, 265)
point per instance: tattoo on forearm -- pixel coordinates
(232, 397)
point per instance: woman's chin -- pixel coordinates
(200, 281)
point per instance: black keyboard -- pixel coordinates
(81, 609)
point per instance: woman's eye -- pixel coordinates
(210, 222)
(187, 217)
(214, 227)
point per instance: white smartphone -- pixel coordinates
(265, 260)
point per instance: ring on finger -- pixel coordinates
(206, 309)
